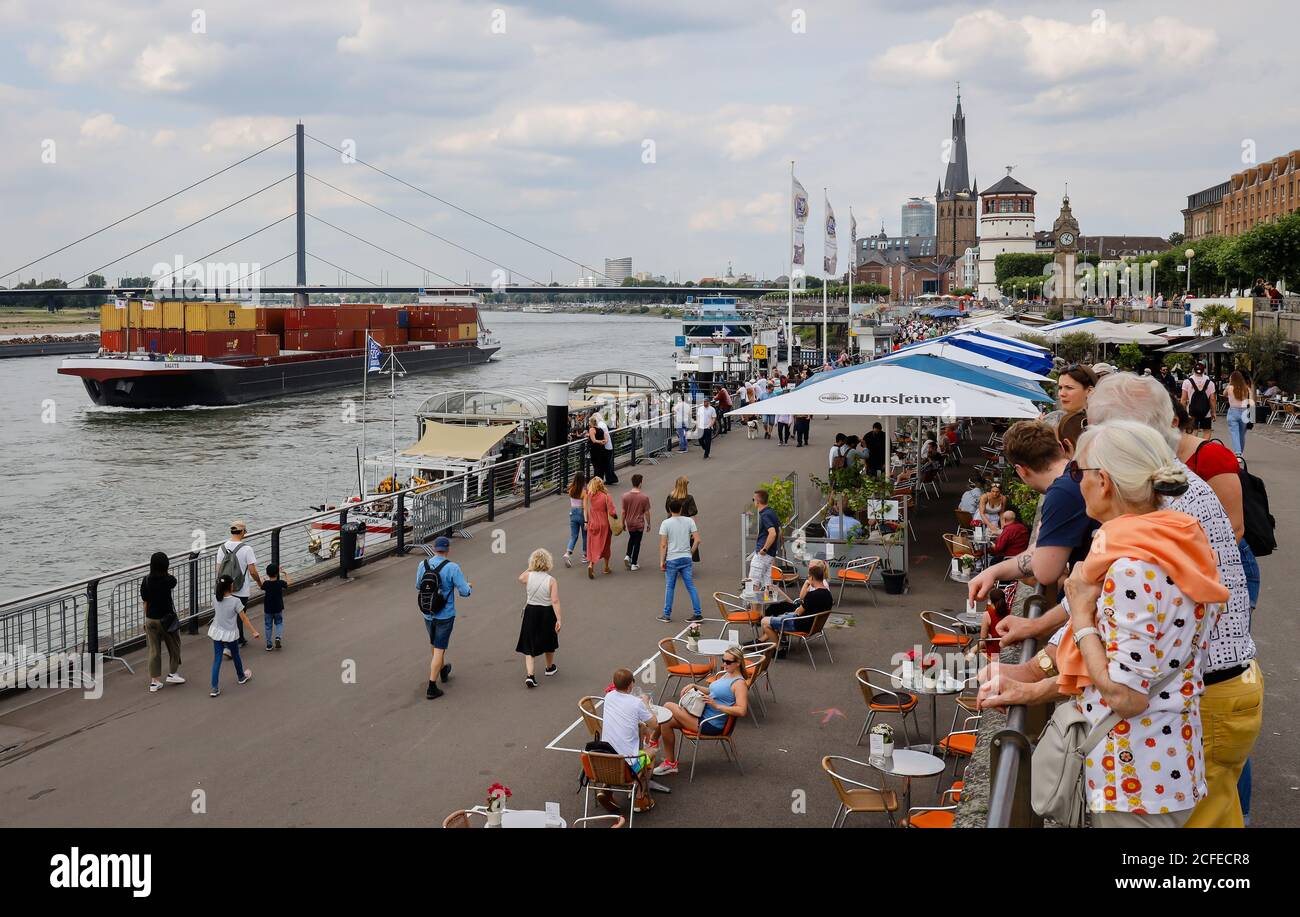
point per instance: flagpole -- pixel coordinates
(853, 263)
(789, 317)
(825, 280)
(365, 375)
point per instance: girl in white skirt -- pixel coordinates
(224, 631)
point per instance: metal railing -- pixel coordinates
(1011, 751)
(105, 615)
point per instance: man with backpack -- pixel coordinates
(1198, 398)
(236, 560)
(437, 580)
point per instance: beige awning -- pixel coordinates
(445, 440)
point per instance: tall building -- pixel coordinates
(1006, 225)
(918, 217)
(618, 270)
(1262, 193)
(955, 198)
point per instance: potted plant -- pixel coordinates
(693, 638)
(966, 565)
(882, 740)
(497, 795)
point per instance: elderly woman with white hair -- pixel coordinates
(1142, 605)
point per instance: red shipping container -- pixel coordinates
(173, 341)
(271, 321)
(383, 318)
(113, 341)
(352, 318)
(267, 345)
(218, 344)
(319, 339)
(292, 339)
(318, 318)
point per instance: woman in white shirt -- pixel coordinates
(224, 631)
(539, 629)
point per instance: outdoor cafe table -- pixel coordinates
(713, 647)
(527, 818)
(907, 763)
(932, 686)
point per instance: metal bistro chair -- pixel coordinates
(930, 816)
(756, 665)
(608, 773)
(461, 818)
(813, 627)
(945, 631)
(599, 821)
(958, 547)
(677, 665)
(858, 571)
(961, 744)
(590, 718)
(735, 610)
(856, 796)
(965, 521)
(724, 738)
(884, 700)
(768, 650)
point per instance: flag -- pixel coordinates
(374, 358)
(828, 262)
(119, 303)
(853, 232)
(799, 214)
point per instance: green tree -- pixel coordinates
(1019, 264)
(1076, 347)
(1129, 357)
(1179, 361)
(1040, 339)
(1218, 319)
(1259, 351)
(1031, 284)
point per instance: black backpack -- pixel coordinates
(1254, 510)
(431, 598)
(1199, 406)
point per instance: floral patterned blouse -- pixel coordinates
(1153, 762)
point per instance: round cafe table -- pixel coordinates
(908, 763)
(713, 647)
(528, 818)
(933, 687)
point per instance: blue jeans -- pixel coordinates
(1243, 791)
(681, 566)
(270, 620)
(217, 647)
(576, 526)
(681, 438)
(1251, 566)
(1237, 420)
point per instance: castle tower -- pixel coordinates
(956, 213)
(1006, 226)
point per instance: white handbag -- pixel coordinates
(694, 702)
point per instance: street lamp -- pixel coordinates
(1189, 254)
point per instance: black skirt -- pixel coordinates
(537, 631)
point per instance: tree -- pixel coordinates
(1019, 264)
(1179, 361)
(1259, 352)
(1129, 357)
(1040, 339)
(1176, 239)
(962, 291)
(1076, 347)
(1218, 319)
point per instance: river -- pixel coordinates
(90, 489)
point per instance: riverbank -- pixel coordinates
(31, 322)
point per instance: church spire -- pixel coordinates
(957, 178)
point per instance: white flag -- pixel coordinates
(799, 214)
(853, 232)
(828, 262)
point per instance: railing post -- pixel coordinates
(194, 592)
(92, 624)
(564, 467)
(635, 431)
(275, 547)
(401, 523)
(343, 558)
(492, 492)
(528, 480)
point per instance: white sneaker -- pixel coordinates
(174, 679)
(155, 686)
(663, 770)
(568, 560)
(226, 653)
(634, 567)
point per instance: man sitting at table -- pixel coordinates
(814, 598)
(626, 721)
(1014, 538)
(840, 526)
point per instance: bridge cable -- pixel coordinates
(385, 251)
(149, 207)
(182, 229)
(467, 213)
(343, 269)
(423, 230)
(218, 251)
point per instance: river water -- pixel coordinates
(90, 489)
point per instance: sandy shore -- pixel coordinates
(28, 329)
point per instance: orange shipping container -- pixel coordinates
(113, 341)
(352, 318)
(271, 321)
(217, 344)
(267, 345)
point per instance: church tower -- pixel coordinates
(956, 213)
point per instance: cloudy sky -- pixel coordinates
(658, 130)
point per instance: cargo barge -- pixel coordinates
(182, 354)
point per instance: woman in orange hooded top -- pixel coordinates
(1142, 604)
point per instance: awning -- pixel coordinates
(454, 441)
(1216, 344)
(949, 350)
(1105, 332)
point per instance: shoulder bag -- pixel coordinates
(1057, 782)
(693, 702)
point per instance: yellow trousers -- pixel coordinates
(1231, 714)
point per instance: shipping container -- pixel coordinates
(113, 341)
(145, 314)
(353, 318)
(384, 337)
(314, 318)
(111, 318)
(173, 315)
(220, 316)
(321, 339)
(383, 318)
(216, 344)
(267, 345)
(293, 340)
(271, 320)
(468, 330)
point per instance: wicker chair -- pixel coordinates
(590, 718)
(856, 796)
(461, 818)
(734, 610)
(813, 627)
(608, 773)
(883, 699)
(768, 651)
(756, 665)
(930, 816)
(860, 572)
(676, 665)
(600, 821)
(945, 631)
(723, 738)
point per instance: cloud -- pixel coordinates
(581, 124)
(745, 136)
(176, 62)
(988, 42)
(244, 132)
(102, 127)
(87, 50)
(164, 137)
(763, 213)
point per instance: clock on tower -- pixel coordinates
(1066, 231)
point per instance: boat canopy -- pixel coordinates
(457, 441)
(616, 380)
(473, 406)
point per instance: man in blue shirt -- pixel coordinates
(842, 526)
(451, 580)
(767, 543)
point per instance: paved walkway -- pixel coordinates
(299, 746)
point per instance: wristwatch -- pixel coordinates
(1046, 663)
(1084, 633)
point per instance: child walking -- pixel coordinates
(224, 631)
(274, 586)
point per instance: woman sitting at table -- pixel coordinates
(814, 598)
(728, 697)
(990, 510)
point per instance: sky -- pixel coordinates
(663, 131)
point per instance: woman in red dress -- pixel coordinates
(599, 509)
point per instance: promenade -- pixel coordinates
(299, 745)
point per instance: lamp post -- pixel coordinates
(1189, 254)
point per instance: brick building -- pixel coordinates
(1262, 193)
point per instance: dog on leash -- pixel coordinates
(751, 429)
